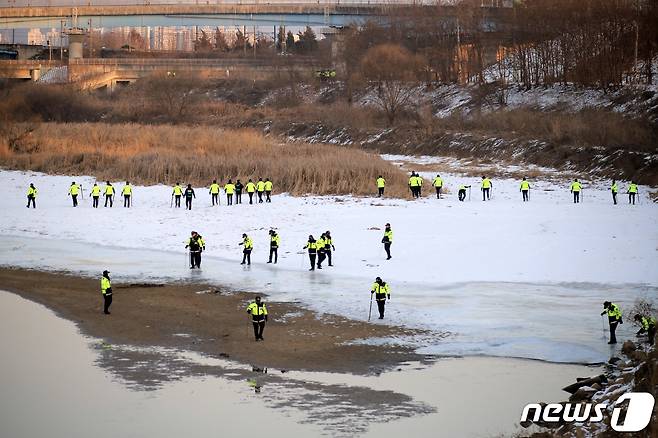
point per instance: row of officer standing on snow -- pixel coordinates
(486, 186)
(261, 189)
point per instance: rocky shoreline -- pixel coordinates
(635, 371)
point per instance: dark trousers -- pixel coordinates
(251, 197)
(576, 197)
(485, 194)
(415, 192)
(381, 191)
(246, 256)
(462, 195)
(381, 303)
(229, 199)
(177, 200)
(321, 257)
(188, 203)
(238, 197)
(31, 200)
(631, 198)
(259, 326)
(260, 197)
(438, 192)
(126, 201)
(614, 198)
(75, 200)
(274, 251)
(215, 198)
(108, 198)
(267, 196)
(651, 334)
(195, 259)
(327, 253)
(107, 302)
(613, 328)
(311, 257)
(94, 201)
(525, 195)
(387, 248)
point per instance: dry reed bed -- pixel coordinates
(149, 154)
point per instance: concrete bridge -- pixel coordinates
(317, 8)
(110, 73)
(95, 73)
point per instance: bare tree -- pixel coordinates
(393, 70)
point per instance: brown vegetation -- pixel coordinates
(589, 127)
(166, 154)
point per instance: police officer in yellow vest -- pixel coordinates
(387, 240)
(614, 318)
(32, 196)
(382, 292)
(632, 191)
(648, 326)
(214, 192)
(109, 194)
(274, 246)
(247, 246)
(328, 247)
(268, 190)
(106, 290)
(438, 185)
(381, 185)
(525, 189)
(95, 195)
(312, 247)
(196, 244)
(74, 190)
(576, 187)
(258, 313)
(127, 192)
(251, 188)
(414, 184)
(177, 193)
(321, 253)
(486, 188)
(614, 189)
(260, 188)
(229, 188)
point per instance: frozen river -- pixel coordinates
(502, 278)
(554, 322)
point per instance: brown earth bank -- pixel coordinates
(216, 322)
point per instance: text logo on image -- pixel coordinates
(638, 412)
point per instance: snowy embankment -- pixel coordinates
(502, 277)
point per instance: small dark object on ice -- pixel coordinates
(259, 370)
(224, 355)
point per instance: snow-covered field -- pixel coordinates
(503, 277)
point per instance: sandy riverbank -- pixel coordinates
(212, 322)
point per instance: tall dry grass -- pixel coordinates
(165, 154)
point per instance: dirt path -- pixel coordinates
(216, 323)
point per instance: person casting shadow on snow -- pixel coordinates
(382, 292)
(614, 318)
(258, 313)
(106, 290)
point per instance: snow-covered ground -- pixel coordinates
(502, 277)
